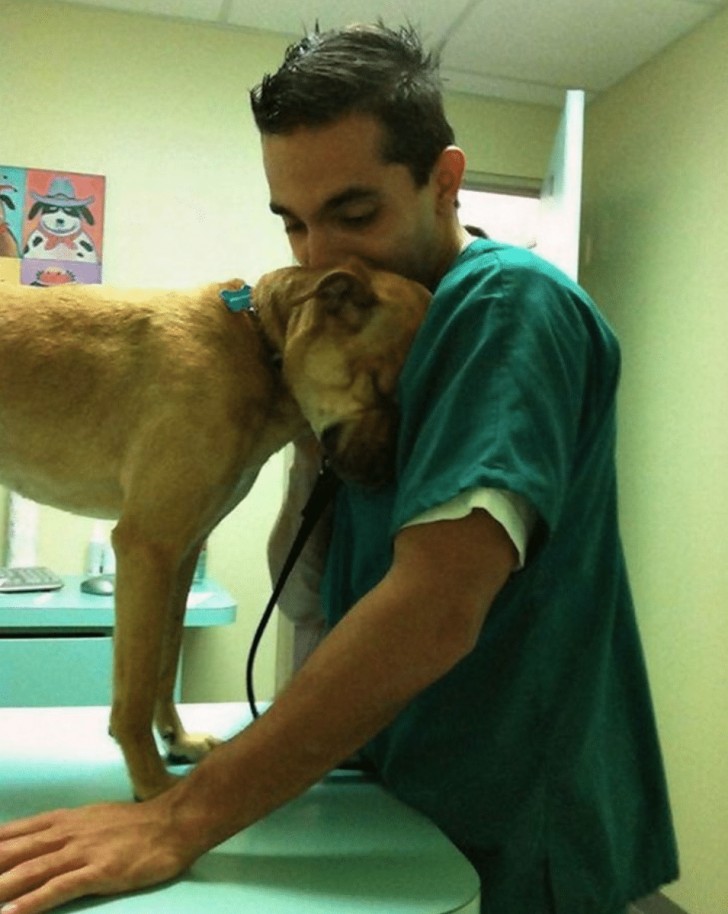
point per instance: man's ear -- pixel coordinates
(448, 174)
(347, 293)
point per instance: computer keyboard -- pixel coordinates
(34, 577)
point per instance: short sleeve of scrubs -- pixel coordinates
(511, 511)
(492, 394)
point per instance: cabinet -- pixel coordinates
(56, 646)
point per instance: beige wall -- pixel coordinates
(503, 139)
(161, 109)
(656, 227)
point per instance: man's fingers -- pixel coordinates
(57, 891)
(22, 827)
(45, 877)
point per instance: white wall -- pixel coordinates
(655, 229)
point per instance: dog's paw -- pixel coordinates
(189, 747)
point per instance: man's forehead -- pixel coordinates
(344, 150)
(354, 128)
(319, 169)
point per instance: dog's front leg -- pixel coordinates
(145, 574)
(183, 747)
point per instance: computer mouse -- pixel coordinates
(100, 585)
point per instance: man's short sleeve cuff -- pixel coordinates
(512, 512)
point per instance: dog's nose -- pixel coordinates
(329, 438)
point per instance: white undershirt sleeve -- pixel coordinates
(513, 512)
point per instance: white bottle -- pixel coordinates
(95, 550)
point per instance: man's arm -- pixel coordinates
(402, 636)
(405, 634)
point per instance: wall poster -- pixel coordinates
(51, 226)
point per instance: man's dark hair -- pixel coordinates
(361, 69)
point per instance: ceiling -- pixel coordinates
(523, 50)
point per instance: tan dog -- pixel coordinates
(159, 408)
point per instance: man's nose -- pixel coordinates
(321, 250)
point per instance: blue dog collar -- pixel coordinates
(238, 299)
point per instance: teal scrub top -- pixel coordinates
(537, 754)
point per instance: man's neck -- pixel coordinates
(459, 240)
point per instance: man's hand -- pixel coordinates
(56, 857)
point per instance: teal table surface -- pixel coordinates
(344, 847)
(70, 607)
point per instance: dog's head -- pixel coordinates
(57, 219)
(344, 335)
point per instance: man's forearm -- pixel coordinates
(402, 636)
(341, 698)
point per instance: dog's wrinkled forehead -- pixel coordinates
(353, 306)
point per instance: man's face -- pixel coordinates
(338, 198)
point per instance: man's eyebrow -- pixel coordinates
(350, 195)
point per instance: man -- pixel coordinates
(483, 652)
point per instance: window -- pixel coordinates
(504, 215)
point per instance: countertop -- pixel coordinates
(71, 608)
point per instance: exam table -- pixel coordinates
(344, 847)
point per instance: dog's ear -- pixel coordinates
(347, 294)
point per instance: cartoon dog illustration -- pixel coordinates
(59, 234)
(8, 243)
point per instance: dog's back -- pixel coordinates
(90, 375)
